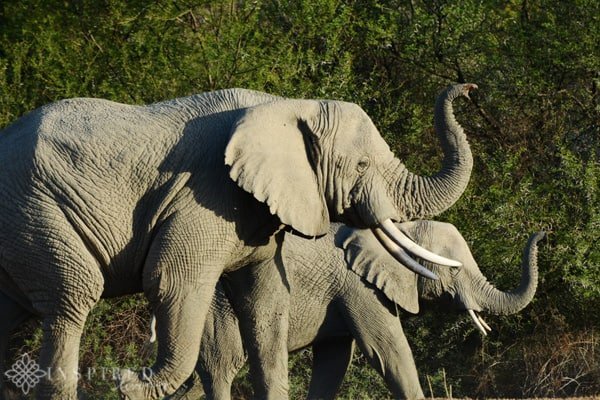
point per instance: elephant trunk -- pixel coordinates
(418, 197)
(498, 302)
(413, 196)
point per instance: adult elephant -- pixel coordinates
(101, 199)
(341, 296)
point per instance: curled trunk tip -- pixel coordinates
(505, 303)
(421, 197)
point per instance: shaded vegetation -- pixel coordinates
(534, 126)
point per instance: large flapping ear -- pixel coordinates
(268, 155)
(367, 257)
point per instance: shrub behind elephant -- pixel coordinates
(339, 296)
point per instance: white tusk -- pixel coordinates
(402, 256)
(402, 240)
(152, 330)
(477, 322)
(485, 325)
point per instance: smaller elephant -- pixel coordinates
(350, 294)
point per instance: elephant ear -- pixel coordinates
(367, 257)
(268, 155)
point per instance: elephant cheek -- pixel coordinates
(372, 203)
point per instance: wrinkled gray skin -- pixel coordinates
(101, 199)
(341, 296)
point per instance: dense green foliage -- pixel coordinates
(534, 126)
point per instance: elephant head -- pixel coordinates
(313, 162)
(466, 286)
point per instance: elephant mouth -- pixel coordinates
(352, 217)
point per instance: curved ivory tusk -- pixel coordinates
(402, 256)
(152, 330)
(477, 322)
(402, 240)
(485, 325)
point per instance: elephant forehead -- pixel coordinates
(360, 137)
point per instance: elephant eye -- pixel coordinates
(454, 271)
(363, 164)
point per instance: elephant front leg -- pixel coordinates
(260, 298)
(331, 359)
(180, 307)
(222, 353)
(388, 351)
(373, 321)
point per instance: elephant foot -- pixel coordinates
(139, 386)
(189, 390)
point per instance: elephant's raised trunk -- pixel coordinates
(498, 302)
(425, 196)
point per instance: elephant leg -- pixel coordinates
(260, 297)
(179, 281)
(180, 312)
(13, 315)
(59, 356)
(191, 389)
(217, 387)
(62, 329)
(394, 361)
(376, 327)
(63, 292)
(63, 318)
(52, 264)
(331, 359)
(221, 351)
